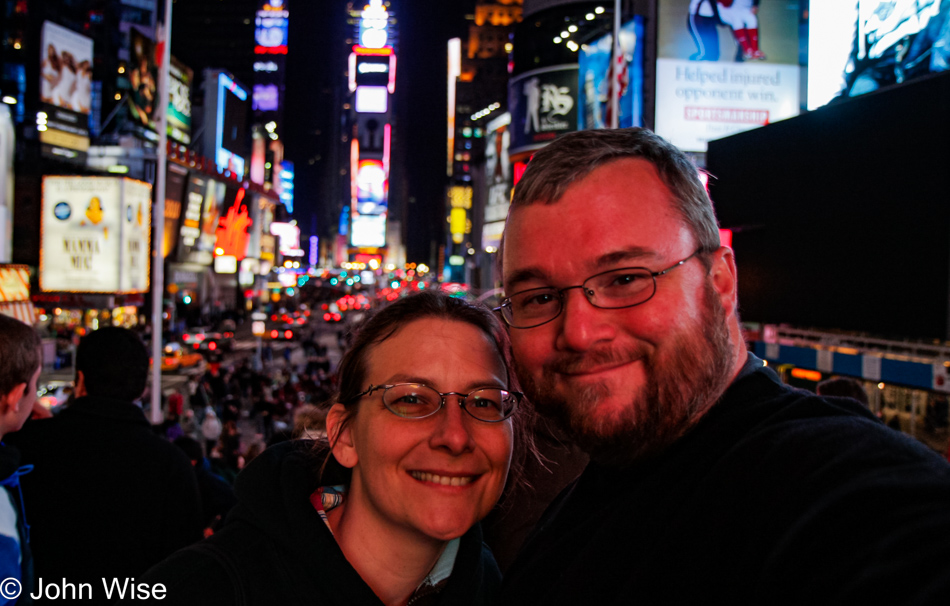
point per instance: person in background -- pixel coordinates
(420, 442)
(217, 496)
(20, 365)
(710, 481)
(843, 387)
(108, 497)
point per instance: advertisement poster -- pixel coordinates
(95, 235)
(65, 68)
(191, 223)
(214, 194)
(498, 180)
(595, 73)
(542, 104)
(179, 101)
(858, 47)
(725, 67)
(65, 93)
(143, 77)
(136, 233)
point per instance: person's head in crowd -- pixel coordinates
(425, 417)
(310, 422)
(112, 363)
(621, 300)
(191, 447)
(20, 364)
(843, 387)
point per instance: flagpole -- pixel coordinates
(158, 220)
(614, 87)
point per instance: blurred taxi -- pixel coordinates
(175, 357)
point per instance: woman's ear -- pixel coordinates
(340, 434)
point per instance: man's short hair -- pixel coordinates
(573, 156)
(20, 354)
(114, 363)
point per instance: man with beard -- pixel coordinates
(710, 481)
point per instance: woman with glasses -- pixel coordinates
(421, 438)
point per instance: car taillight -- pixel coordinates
(273, 318)
(288, 334)
(195, 345)
(212, 346)
(337, 317)
(326, 317)
(273, 334)
(186, 337)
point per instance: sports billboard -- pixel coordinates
(725, 67)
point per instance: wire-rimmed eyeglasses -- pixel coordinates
(613, 289)
(418, 401)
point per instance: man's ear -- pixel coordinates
(724, 280)
(10, 401)
(340, 435)
(79, 389)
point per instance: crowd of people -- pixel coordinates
(609, 404)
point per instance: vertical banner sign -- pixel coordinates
(95, 235)
(724, 68)
(543, 106)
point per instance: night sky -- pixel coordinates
(315, 79)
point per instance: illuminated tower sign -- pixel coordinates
(372, 82)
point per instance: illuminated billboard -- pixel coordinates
(270, 29)
(265, 98)
(95, 235)
(288, 235)
(65, 92)
(374, 25)
(720, 75)
(226, 107)
(372, 99)
(143, 79)
(371, 187)
(858, 47)
(543, 105)
(286, 180)
(180, 81)
(368, 231)
(596, 81)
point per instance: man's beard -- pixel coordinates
(691, 374)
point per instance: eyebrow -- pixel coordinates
(406, 378)
(602, 263)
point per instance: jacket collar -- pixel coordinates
(117, 410)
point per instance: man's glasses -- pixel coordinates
(614, 289)
(418, 401)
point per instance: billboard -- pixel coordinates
(542, 104)
(143, 77)
(498, 180)
(596, 75)
(368, 231)
(65, 92)
(180, 81)
(95, 235)
(270, 29)
(724, 69)
(226, 107)
(231, 235)
(858, 47)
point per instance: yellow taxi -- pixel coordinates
(175, 357)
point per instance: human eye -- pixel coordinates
(535, 301)
(411, 400)
(622, 282)
(486, 404)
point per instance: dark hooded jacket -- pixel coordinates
(274, 548)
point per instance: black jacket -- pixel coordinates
(107, 497)
(275, 549)
(777, 496)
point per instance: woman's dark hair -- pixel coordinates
(436, 305)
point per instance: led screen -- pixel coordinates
(858, 47)
(372, 99)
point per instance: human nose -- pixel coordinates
(581, 324)
(452, 432)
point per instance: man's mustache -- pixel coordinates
(576, 363)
